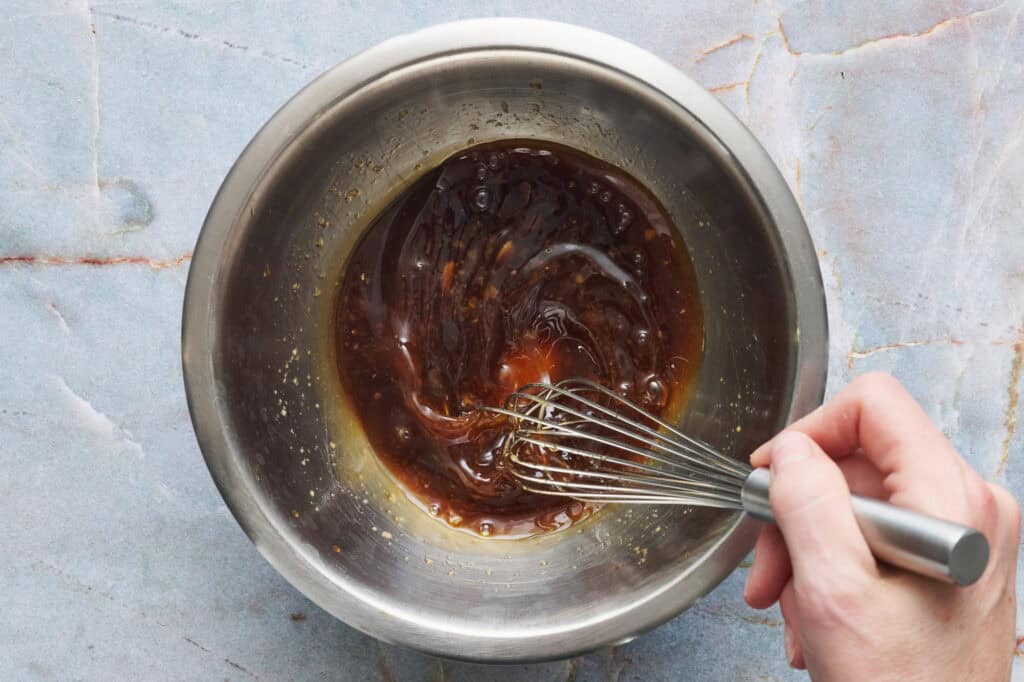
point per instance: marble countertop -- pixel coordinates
(899, 131)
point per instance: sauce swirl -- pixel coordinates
(512, 262)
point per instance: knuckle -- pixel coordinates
(1006, 507)
(788, 606)
(817, 485)
(832, 604)
(877, 382)
(795, 503)
(982, 500)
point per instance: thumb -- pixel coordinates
(811, 503)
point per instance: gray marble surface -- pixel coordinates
(899, 129)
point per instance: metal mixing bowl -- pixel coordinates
(282, 444)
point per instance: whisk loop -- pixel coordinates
(611, 450)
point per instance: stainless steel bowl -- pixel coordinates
(283, 446)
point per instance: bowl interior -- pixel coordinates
(305, 453)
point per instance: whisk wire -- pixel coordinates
(610, 449)
(691, 451)
(640, 488)
(740, 469)
(651, 486)
(525, 436)
(612, 493)
(625, 470)
(554, 432)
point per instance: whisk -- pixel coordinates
(578, 439)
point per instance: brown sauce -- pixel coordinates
(512, 262)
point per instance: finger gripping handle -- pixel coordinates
(910, 540)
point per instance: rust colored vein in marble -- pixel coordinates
(750, 77)
(822, 255)
(799, 189)
(938, 26)
(745, 84)
(383, 667)
(573, 669)
(855, 354)
(1012, 400)
(738, 38)
(824, 110)
(785, 38)
(97, 261)
(728, 86)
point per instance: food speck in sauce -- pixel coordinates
(511, 262)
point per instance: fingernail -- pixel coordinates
(746, 583)
(789, 448)
(790, 644)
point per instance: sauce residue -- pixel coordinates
(512, 262)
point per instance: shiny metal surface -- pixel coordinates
(754, 495)
(283, 446)
(915, 542)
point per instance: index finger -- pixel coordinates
(876, 415)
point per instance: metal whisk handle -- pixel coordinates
(909, 540)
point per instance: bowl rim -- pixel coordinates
(299, 565)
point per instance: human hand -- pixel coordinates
(848, 618)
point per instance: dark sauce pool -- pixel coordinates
(512, 262)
